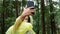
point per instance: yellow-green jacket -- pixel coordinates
(24, 28)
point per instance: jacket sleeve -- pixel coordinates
(12, 29)
(30, 32)
(17, 23)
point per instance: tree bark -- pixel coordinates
(52, 20)
(38, 18)
(3, 24)
(16, 6)
(3, 20)
(43, 19)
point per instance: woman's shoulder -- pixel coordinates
(10, 29)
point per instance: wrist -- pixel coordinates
(22, 17)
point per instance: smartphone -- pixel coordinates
(30, 4)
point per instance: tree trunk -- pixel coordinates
(38, 18)
(2, 15)
(3, 24)
(16, 5)
(52, 20)
(58, 27)
(43, 19)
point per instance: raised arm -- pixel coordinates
(26, 12)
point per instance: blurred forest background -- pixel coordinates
(46, 17)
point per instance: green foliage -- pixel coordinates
(10, 15)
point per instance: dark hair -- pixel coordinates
(28, 19)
